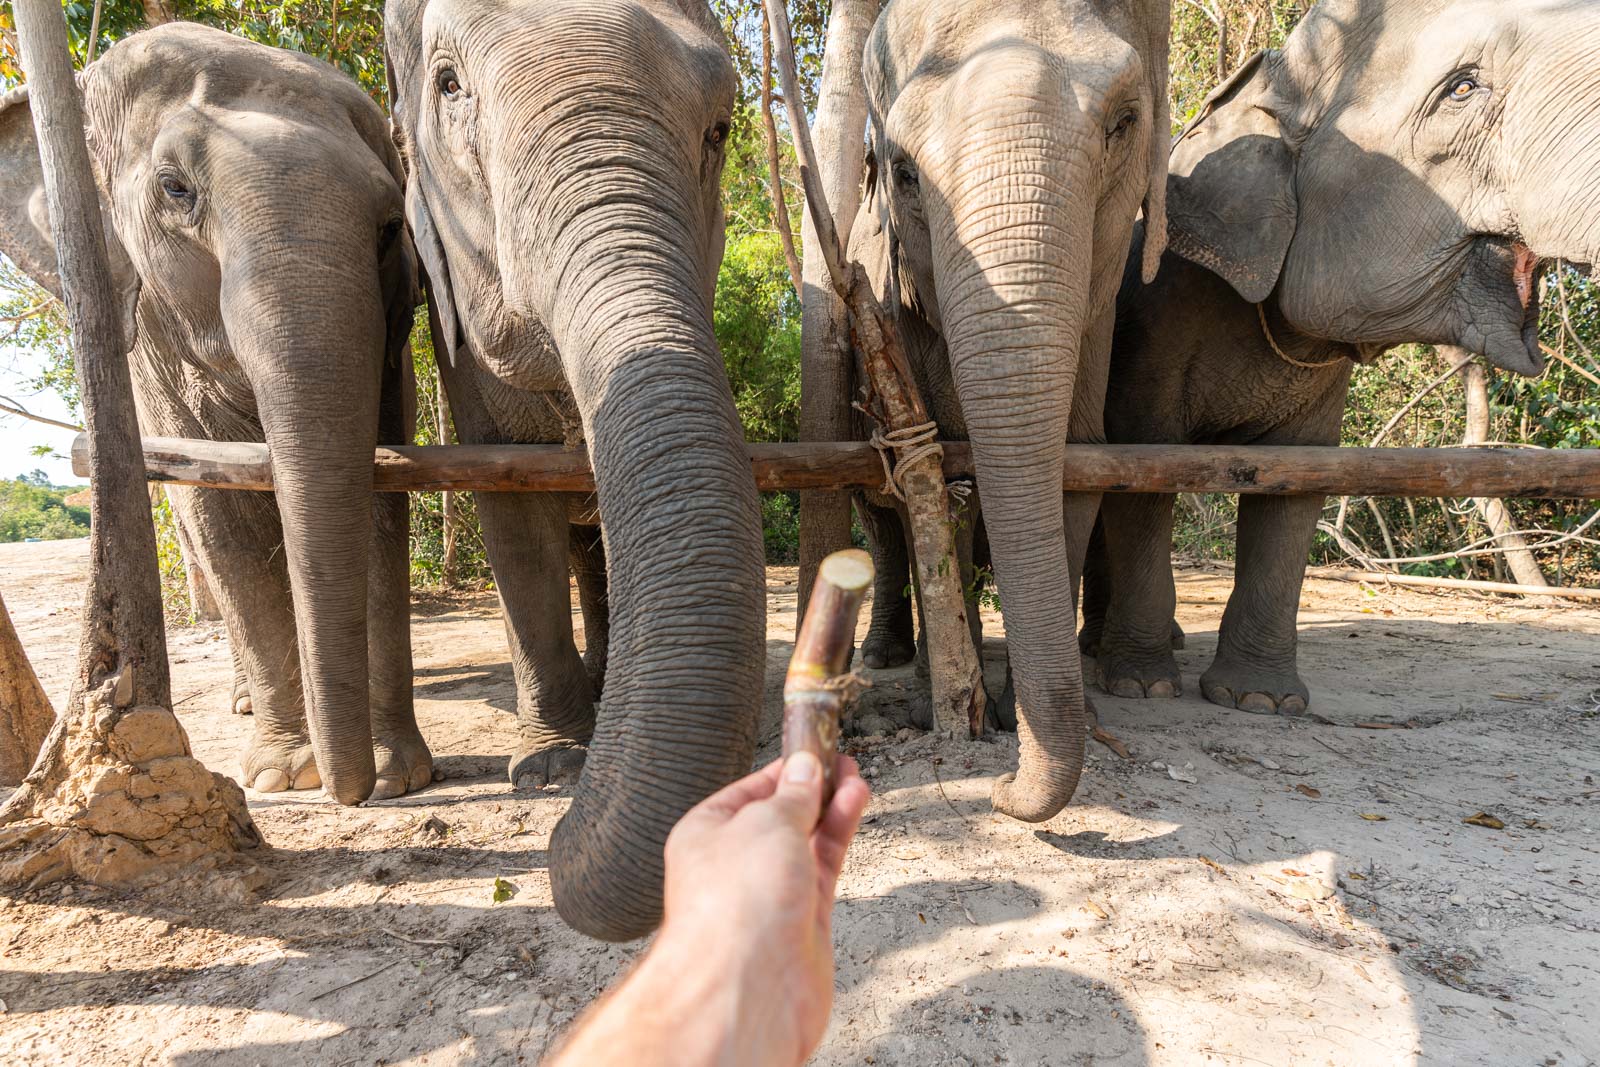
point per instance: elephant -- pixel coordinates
(1402, 171)
(564, 161)
(1013, 145)
(254, 213)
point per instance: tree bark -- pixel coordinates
(1524, 568)
(826, 365)
(25, 711)
(447, 502)
(1569, 473)
(158, 11)
(116, 797)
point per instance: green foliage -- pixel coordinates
(30, 507)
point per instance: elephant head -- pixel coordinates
(1402, 171)
(565, 158)
(1014, 142)
(254, 212)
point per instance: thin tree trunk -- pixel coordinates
(447, 567)
(958, 697)
(201, 599)
(115, 797)
(25, 711)
(780, 203)
(826, 365)
(1524, 568)
(158, 11)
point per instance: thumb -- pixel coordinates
(799, 794)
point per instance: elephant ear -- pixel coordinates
(1231, 203)
(1159, 21)
(25, 233)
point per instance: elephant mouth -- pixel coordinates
(1527, 272)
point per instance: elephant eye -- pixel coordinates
(905, 176)
(1463, 88)
(717, 134)
(1125, 122)
(174, 187)
(449, 84)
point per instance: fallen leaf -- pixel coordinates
(503, 890)
(907, 853)
(1292, 873)
(1314, 794)
(1112, 742)
(1362, 971)
(1355, 875)
(1096, 909)
(1370, 817)
(1483, 818)
(921, 917)
(1213, 864)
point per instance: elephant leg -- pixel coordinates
(586, 554)
(1096, 590)
(236, 536)
(240, 700)
(891, 636)
(1135, 657)
(1256, 647)
(403, 761)
(527, 541)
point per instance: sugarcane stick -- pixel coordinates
(813, 699)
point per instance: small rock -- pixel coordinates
(1183, 774)
(1270, 765)
(1458, 900)
(1157, 765)
(1543, 868)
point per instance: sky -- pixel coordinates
(18, 436)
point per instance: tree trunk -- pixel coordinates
(201, 599)
(25, 711)
(447, 504)
(1524, 568)
(115, 798)
(158, 11)
(825, 359)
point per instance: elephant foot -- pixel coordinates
(547, 764)
(276, 768)
(1137, 679)
(882, 650)
(404, 765)
(1002, 713)
(1258, 691)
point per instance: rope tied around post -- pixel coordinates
(908, 446)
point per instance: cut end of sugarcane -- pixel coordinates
(850, 570)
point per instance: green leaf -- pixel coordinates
(503, 890)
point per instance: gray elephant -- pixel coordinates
(1013, 145)
(1402, 171)
(254, 215)
(564, 163)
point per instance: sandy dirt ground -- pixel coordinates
(1244, 890)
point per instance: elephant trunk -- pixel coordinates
(682, 534)
(1012, 239)
(309, 331)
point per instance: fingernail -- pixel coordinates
(801, 768)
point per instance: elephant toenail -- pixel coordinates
(1257, 704)
(271, 780)
(1127, 688)
(244, 706)
(1292, 705)
(309, 778)
(1162, 689)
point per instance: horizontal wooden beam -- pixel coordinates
(1266, 469)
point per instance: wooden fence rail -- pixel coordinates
(1418, 472)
